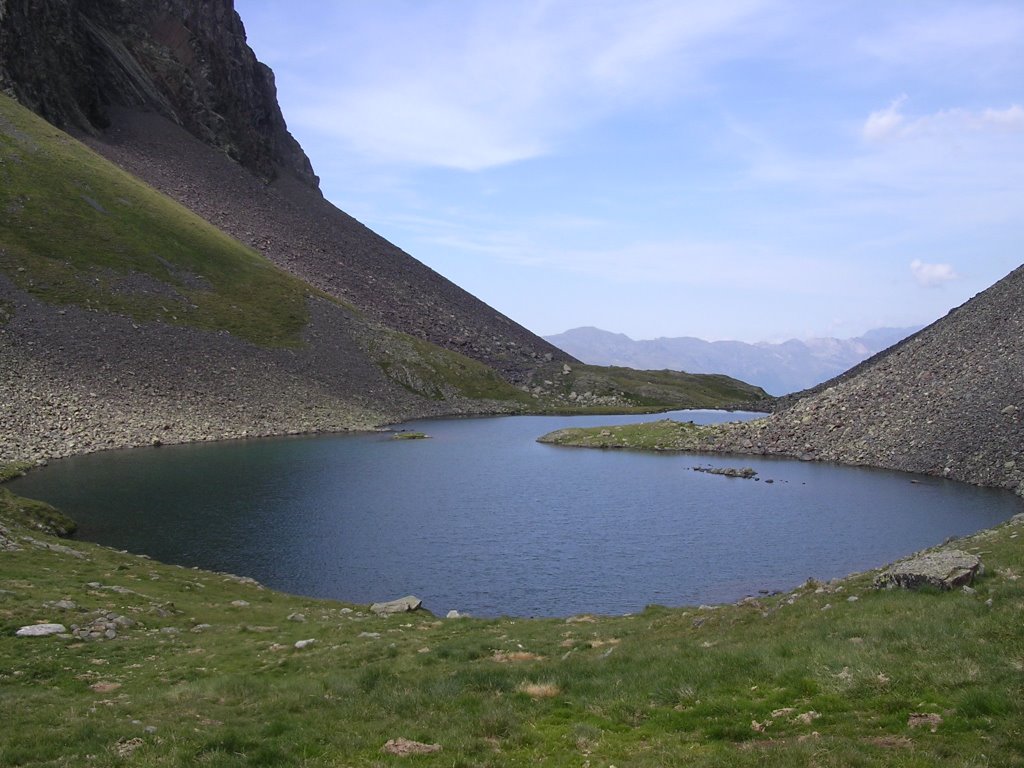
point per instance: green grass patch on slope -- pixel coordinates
(663, 435)
(75, 229)
(437, 373)
(208, 673)
(673, 388)
(596, 389)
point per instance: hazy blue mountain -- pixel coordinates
(777, 368)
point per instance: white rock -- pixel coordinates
(401, 605)
(41, 630)
(453, 614)
(300, 644)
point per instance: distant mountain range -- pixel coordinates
(778, 368)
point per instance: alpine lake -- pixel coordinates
(483, 519)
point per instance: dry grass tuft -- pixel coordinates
(506, 657)
(540, 690)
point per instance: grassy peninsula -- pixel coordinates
(209, 669)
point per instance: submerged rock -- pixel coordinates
(945, 569)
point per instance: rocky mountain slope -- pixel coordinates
(127, 320)
(172, 92)
(251, 306)
(948, 401)
(301, 232)
(779, 368)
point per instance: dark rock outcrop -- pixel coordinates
(71, 61)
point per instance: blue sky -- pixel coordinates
(744, 169)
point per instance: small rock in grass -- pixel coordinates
(928, 720)
(300, 644)
(296, 617)
(403, 747)
(240, 603)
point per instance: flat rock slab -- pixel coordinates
(401, 605)
(947, 569)
(41, 630)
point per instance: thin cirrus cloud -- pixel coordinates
(508, 84)
(947, 36)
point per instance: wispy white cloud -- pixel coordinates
(955, 123)
(932, 275)
(507, 82)
(947, 36)
(884, 122)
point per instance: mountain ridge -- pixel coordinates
(779, 368)
(947, 401)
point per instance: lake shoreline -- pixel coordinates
(478, 516)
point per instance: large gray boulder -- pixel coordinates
(401, 605)
(41, 630)
(944, 569)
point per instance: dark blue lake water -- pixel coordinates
(483, 519)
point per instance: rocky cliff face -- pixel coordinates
(71, 61)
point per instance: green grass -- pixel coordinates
(663, 435)
(76, 230)
(14, 469)
(34, 514)
(775, 681)
(410, 436)
(674, 388)
(437, 373)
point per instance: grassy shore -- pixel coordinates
(208, 673)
